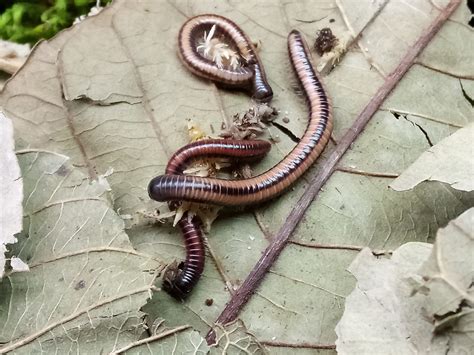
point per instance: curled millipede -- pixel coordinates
(249, 76)
(176, 187)
(178, 282)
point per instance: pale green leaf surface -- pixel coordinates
(451, 50)
(11, 190)
(412, 301)
(449, 270)
(111, 93)
(449, 161)
(380, 316)
(468, 87)
(86, 283)
(235, 339)
(360, 16)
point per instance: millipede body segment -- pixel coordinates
(241, 151)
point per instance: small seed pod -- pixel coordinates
(325, 41)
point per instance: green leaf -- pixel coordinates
(111, 94)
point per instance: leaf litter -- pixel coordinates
(352, 208)
(418, 302)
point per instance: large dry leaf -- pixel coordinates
(11, 190)
(449, 161)
(384, 313)
(86, 282)
(380, 316)
(112, 94)
(459, 337)
(449, 271)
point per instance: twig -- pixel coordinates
(11, 65)
(97, 250)
(357, 36)
(367, 173)
(151, 339)
(375, 252)
(298, 345)
(253, 280)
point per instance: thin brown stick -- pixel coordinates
(298, 345)
(375, 252)
(367, 173)
(327, 246)
(357, 36)
(253, 280)
(151, 339)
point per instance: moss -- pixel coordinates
(29, 21)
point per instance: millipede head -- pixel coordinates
(157, 188)
(263, 94)
(261, 90)
(172, 282)
(171, 288)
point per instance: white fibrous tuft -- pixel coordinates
(218, 51)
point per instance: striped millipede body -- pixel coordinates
(238, 150)
(273, 182)
(249, 76)
(180, 282)
(175, 187)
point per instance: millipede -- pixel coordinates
(173, 186)
(179, 282)
(250, 76)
